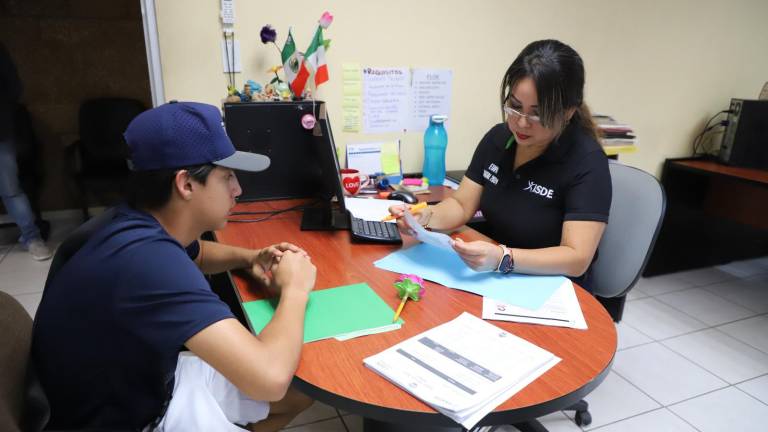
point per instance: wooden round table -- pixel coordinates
(333, 372)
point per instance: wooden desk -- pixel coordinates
(715, 214)
(333, 372)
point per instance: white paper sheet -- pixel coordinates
(370, 209)
(386, 99)
(365, 158)
(430, 94)
(230, 56)
(430, 237)
(562, 309)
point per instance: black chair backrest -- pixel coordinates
(102, 123)
(76, 240)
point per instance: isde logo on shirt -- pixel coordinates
(539, 190)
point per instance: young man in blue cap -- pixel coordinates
(113, 321)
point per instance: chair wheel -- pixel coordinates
(583, 418)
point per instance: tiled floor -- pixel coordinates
(693, 351)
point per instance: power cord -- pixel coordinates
(707, 139)
(698, 142)
(269, 213)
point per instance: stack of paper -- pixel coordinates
(614, 133)
(561, 310)
(464, 368)
(370, 209)
(342, 313)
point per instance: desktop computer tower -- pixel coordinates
(745, 142)
(275, 129)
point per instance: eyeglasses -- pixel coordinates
(517, 114)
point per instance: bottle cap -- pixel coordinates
(438, 118)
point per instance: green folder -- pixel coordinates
(343, 312)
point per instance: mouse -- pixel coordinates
(403, 195)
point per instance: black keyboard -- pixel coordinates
(373, 231)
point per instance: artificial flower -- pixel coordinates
(268, 34)
(412, 277)
(274, 70)
(326, 20)
(410, 285)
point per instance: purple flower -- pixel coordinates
(268, 34)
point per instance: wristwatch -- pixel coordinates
(507, 263)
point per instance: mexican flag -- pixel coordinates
(314, 58)
(291, 59)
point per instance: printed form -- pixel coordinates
(464, 368)
(561, 310)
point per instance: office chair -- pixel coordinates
(98, 158)
(637, 210)
(23, 404)
(15, 341)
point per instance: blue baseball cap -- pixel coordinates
(181, 134)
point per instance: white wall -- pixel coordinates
(664, 67)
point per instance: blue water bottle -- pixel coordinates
(435, 143)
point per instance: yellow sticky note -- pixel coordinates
(390, 157)
(351, 72)
(351, 102)
(351, 121)
(352, 89)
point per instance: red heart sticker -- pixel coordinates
(351, 184)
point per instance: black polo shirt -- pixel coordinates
(526, 208)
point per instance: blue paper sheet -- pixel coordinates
(446, 268)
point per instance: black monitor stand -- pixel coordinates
(325, 218)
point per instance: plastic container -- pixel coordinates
(435, 143)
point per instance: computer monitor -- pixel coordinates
(303, 164)
(331, 214)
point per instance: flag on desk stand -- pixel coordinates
(291, 59)
(314, 58)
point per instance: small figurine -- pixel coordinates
(246, 95)
(269, 92)
(255, 87)
(284, 91)
(232, 95)
(409, 286)
(257, 93)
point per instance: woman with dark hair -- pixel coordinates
(540, 178)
